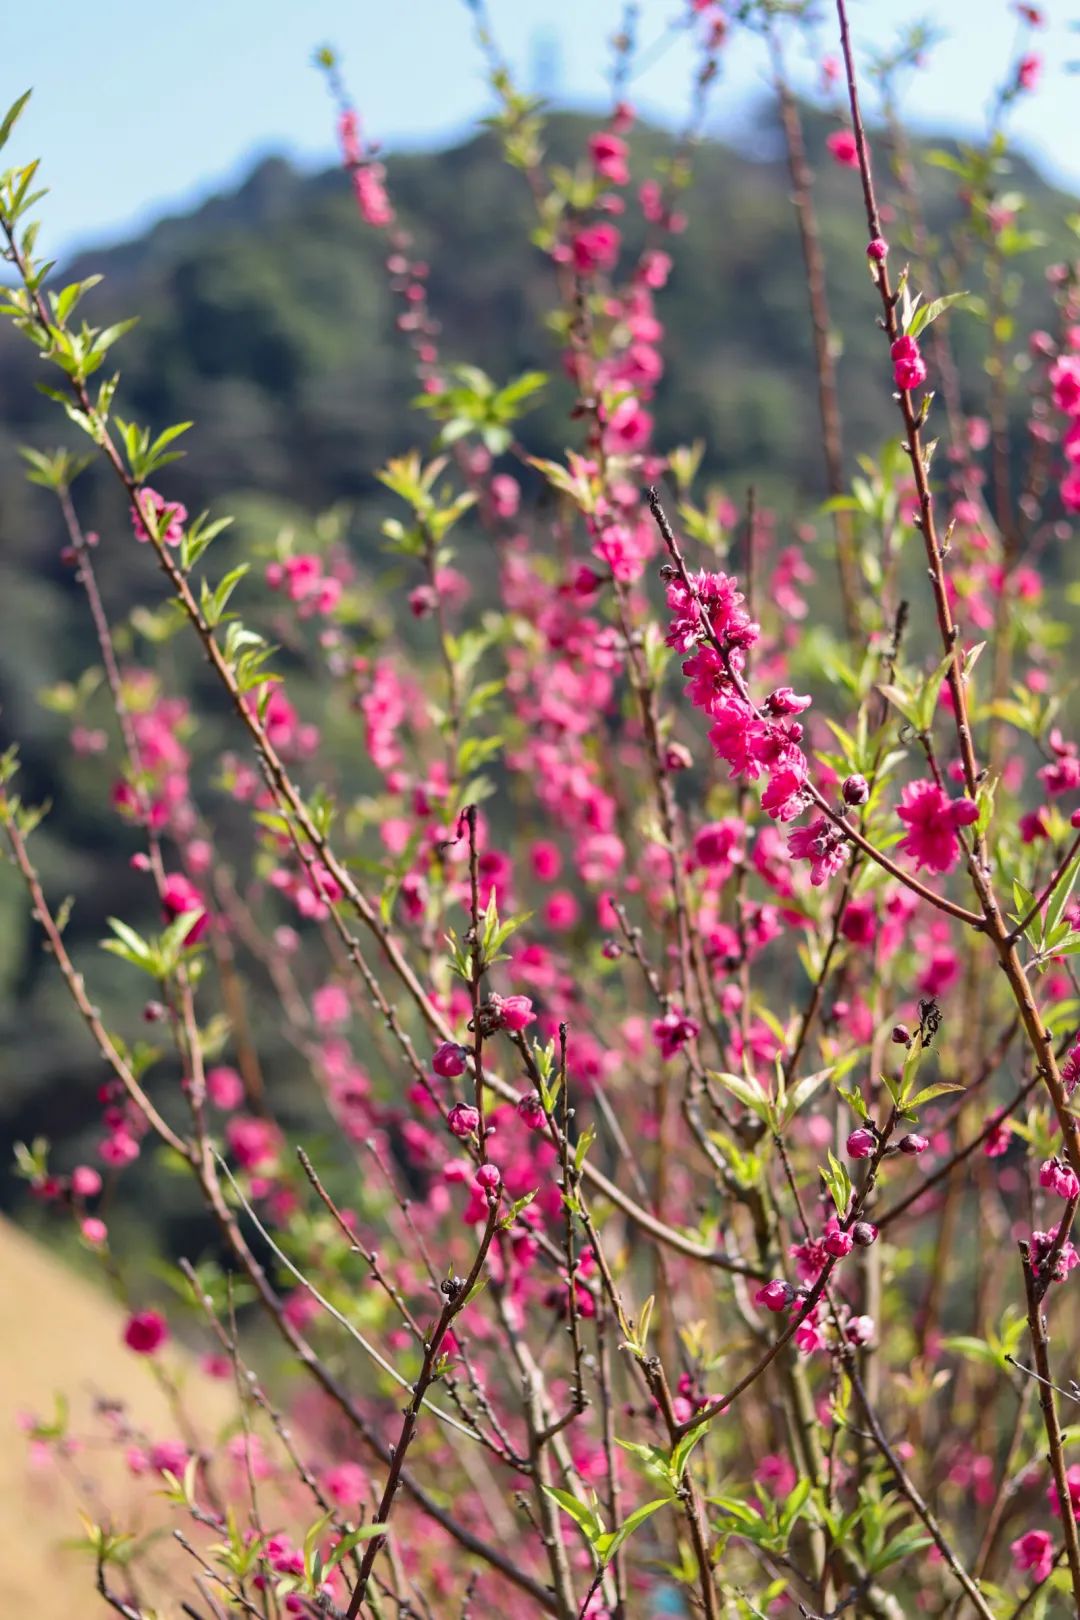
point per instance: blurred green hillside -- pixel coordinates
(265, 318)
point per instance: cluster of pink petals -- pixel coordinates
(843, 148)
(933, 821)
(909, 367)
(1034, 1553)
(1058, 1178)
(145, 1332)
(609, 158)
(1042, 1244)
(1065, 390)
(166, 518)
(180, 896)
(672, 1031)
(710, 624)
(305, 582)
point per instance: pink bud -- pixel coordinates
(860, 1330)
(514, 1012)
(531, 1113)
(838, 1244)
(913, 1143)
(488, 1177)
(775, 1296)
(878, 249)
(85, 1181)
(450, 1060)
(463, 1119)
(861, 1144)
(145, 1332)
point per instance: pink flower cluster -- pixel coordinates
(909, 367)
(305, 582)
(166, 518)
(933, 821)
(710, 624)
(1065, 391)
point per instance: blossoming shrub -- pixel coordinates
(692, 1209)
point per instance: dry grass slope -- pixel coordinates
(59, 1333)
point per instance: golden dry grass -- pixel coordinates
(59, 1333)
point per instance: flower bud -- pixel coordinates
(914, 1143)
(463, 1119)
(901, 1035)
(856, 790)
(861, 1144)
(864, 1233)
(775, 1296)
(450, 1060)
(877, 249)
(488, 1177)
(860, 1330)
(531, 1113)
(838, 1244)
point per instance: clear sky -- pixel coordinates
(141, 109)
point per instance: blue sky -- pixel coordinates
(141, 110)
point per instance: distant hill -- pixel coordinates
(265, 318)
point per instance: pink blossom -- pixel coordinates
(777, 1474)
(1034, 1551)
(843, 147)
(252, 1142)
(672, 1032)
(531, 1112)
(861, 1144)
(909, 367)
(997, 1143)
(1065, 383)
(1072, 1481)
(608, 153)
(167, 518)
(169, 1456)
(371, 197)
(822, 844)
(594, 249)
(178, 896)
(628, 428)
(1041, 1245)
(505, 495)
(775, 1296)
(330, 1006)
(450, 1060)
(346, 1484)
(1028, 72)
(513, 1013)
(85, 1181)
(118, 1149)
(719, 845)
(1058, 1178)
(463, 1120)
(145, 1332)
(224, 1087)
(933, 821)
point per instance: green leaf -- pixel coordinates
(581, 1513)
(12, 115)
(606, 1546)
(928, 313)
(748, 1092)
